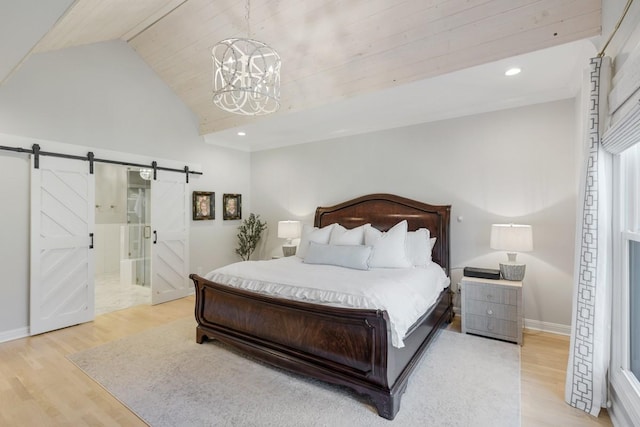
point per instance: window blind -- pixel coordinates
(625, 133)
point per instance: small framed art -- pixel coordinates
(204, 205)
(232, 206)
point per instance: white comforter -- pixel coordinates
(405, 293)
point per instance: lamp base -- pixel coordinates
(514, 272)
(288, 250)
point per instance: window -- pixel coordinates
(630, 218)
(625, 357)
(634, 304)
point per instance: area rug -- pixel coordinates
(167, 379)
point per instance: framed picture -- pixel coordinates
(232, 206)
(204, 205)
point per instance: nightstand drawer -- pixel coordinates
(489, 309)
(495, 294)
(483, 325)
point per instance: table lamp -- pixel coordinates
(512, 238)
(288, 230)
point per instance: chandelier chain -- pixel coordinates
(248, 17)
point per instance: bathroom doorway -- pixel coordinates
(122, 237)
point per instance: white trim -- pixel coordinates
(554, 328)
(625, 397)
(618, 416)
(14, 334)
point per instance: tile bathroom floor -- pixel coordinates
(111, 295)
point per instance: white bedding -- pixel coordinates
(405, 293)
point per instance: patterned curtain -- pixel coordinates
(586, 383)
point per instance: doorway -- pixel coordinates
(67, 245)
(123, 237)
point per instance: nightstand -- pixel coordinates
(492, 308)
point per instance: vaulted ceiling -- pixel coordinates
(331, 50)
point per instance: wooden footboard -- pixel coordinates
(342, 346)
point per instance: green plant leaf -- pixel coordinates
(249, 234)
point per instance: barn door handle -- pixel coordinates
(91, 241)
(155, 237)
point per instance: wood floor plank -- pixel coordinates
(40, 386)
(543, 365)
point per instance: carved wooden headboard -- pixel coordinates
(383, 211)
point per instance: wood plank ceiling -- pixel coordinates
(330, 49)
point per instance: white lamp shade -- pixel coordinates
(288, 229)
(511, 237)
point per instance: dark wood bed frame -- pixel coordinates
(350, 347)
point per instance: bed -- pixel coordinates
(345, 346)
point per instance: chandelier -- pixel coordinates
(246, 75)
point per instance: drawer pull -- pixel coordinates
(489, 296)
(489, 312)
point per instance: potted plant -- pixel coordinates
(249, 233)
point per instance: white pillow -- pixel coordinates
(350, 256)
(419, 247)
(343, 236)
(313, 234)
(389, 249)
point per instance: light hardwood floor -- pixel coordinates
(39, 386)
(543, 365)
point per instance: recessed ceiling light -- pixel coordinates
(241, 133)
(512, 71)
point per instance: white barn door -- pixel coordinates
(62, 259)
(170, 209)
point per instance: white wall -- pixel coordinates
(14, 241)
(111, 213)
(102, 96)
(111, 193)
(25, 22)
(515, 165)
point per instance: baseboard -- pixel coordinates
(616, 420)
(554, 328)
(624, 399)
(14, 334)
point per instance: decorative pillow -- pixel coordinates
(418, 247)
(313, 234)
(350, 256)
(343, 236)
(389, 249)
